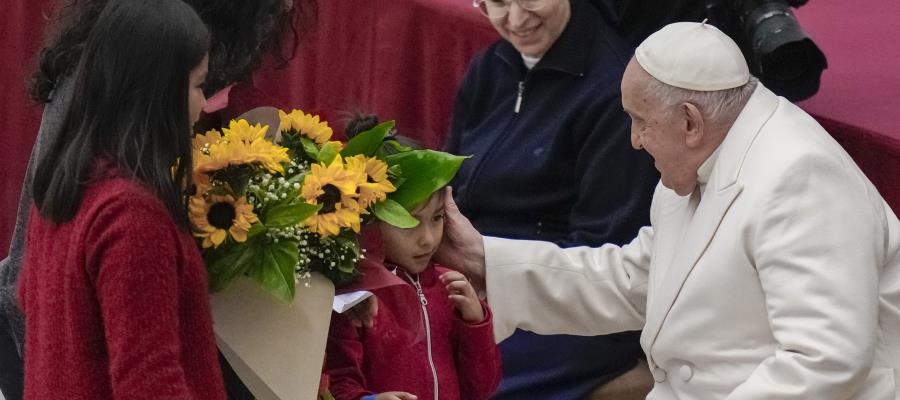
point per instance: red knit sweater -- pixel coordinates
(116, 303)
(393, 355)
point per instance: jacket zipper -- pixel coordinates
(519, 96)
(424, 302)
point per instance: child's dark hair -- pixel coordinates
(131, 89)
(358, 122)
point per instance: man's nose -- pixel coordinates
(636, 140)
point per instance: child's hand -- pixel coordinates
(463, 296)
(363, 314)
(395, 396)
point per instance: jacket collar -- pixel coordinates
(427, 278)
(740, 137)
(721, 192)
(571, 53)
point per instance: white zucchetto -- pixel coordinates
(694, 56)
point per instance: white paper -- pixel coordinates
(346, 301)
(276, 349)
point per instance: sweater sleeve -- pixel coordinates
(343, 360)
(612, 209)
(134, 249)
(477, 357)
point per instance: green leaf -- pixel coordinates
(328, 152)
(237, 177)
(347, 267)
(368, 142)
(424, 171)
(389, 147)
(287, 214)
(255, 230)
(310, 148)
(231, 264)
(394, 171)
(393, 213)
(299, 178)
(274, 269)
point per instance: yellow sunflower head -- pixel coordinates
(241, 144)
(201, 145)
(202, 142)
(202, 182)
(214, 217)
(306, 124)
(334, 188)
(372, 179)
(342, 214)
(241, 130)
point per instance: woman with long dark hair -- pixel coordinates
(113, 290)
(242, 32)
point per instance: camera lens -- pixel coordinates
(785, 59)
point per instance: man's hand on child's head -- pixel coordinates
(462, 247)
(393, 396)
(463, 296)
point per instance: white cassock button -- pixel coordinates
(685, 373)
(659, 374)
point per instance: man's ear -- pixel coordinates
(694, 125)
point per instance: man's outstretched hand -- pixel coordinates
(463, 247)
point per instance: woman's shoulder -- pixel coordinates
(115, 198)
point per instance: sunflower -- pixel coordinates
(201, 143)
(215, 216)
(202, 182)
(306, 124)
(334, 188)
(372, 179)
(242, 144)
(241, 130)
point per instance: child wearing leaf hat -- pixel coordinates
(431, 337)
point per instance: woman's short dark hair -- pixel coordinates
(243, 31)
(129, 106)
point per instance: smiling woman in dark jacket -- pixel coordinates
(540, 113)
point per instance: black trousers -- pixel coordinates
(12, 375)
(234, 388)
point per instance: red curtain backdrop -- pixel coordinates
(859, 100)
(403, 59)
(21, 33)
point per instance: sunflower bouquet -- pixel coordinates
(276, 206)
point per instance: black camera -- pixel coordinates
(777, 50)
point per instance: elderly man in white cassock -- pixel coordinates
(771, 269)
